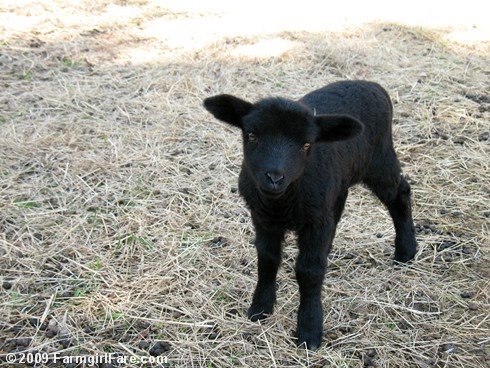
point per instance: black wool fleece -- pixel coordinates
(300, 158)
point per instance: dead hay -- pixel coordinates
(115, 187)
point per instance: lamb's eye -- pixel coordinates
(305, 147)
(252, 137)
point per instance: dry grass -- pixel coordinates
(115, 184)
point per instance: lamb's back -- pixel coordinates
(364, 100)
(349, 160)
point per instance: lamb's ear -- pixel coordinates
(228, 108)
(337, 127)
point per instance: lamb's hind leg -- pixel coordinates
(394, 191)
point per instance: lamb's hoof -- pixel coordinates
(404, 257)
(310, 340)
(405, 252)
(256, 313)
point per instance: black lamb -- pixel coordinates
(300, 158)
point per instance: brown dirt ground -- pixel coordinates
(115, 186)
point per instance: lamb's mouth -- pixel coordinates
(272, 194)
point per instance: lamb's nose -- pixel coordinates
(275, 177)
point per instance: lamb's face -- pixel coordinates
(277, 137)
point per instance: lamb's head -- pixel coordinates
(278, 136)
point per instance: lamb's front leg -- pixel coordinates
(314, 244)
(268, 245)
